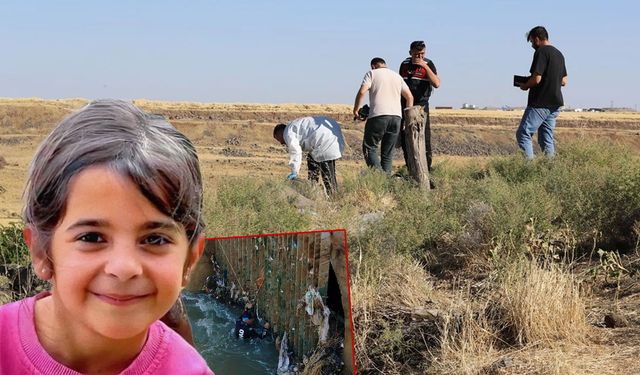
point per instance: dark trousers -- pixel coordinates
(379, 129)
(427, 138)
(325, 168)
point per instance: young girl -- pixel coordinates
(112, 213)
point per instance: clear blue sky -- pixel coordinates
(309, 51)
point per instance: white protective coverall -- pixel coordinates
(318, 135)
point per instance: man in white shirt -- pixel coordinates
(385, 115)
(322, 138)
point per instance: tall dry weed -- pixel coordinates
(391, 298)
(467, 344)
(540, 304)
(324, 359)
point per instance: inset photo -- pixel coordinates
(273, 304)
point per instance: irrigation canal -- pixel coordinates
(213, 324)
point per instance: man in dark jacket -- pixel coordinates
(420, 74)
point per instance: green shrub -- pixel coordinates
(592, 190)
(598, 187)
(253, 206)
(13, 249)
(591, 187)
(370, 180)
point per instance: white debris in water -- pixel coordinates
(316, 318)
(283, 358)
(323, 330)
(234, 293)
(309, 297)
(319, 317)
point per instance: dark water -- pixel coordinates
(213, 324)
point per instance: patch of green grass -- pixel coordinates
(253, 206)
(593, 190)
(589, 190)
(13, 249)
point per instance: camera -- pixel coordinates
(363, 113)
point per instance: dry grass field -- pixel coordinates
(554, 320)
(235, 139)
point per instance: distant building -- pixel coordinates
(469, 106)
(443, 107)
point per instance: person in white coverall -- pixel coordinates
(321, 138)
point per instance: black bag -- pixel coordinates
(363, 113)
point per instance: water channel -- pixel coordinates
(213, 324)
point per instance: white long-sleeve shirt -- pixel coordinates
(319, 135)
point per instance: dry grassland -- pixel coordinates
(235, 139)
(544, 312)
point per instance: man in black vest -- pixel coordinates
(548, 75)
(421, 76)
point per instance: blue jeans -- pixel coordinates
(380, 129)
(542, 120)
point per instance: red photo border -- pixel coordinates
(346, 249)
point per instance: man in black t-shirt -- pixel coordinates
(548, 75)
(420, 74)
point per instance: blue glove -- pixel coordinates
(292, 176)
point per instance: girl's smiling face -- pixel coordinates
(118, 262)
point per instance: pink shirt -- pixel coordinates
(165, 352)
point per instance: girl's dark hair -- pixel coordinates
(160, 160)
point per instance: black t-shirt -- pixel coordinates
(416, 78)
(548, 62)
(242, 330)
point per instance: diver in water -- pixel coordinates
(210, 284)
(246, 325)
(264, 332)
